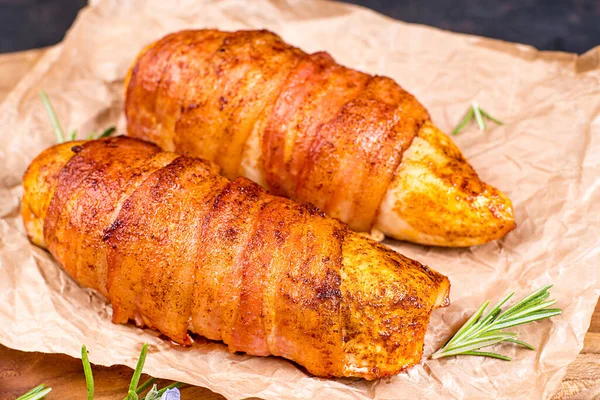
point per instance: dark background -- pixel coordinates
(567, 25)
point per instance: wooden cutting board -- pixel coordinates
(21, 371)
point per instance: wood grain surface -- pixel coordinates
(21, 371)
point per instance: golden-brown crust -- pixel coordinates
(228, 227)
(330, 135)
(93, 180)
(193, 117)
(39, 184)
(175, 83)
(177, 247)
(308, 309)
(142, 87)
(308, 129)
(437, 198)
(378, 344)
(207, 76)
(247, 71)
(158, 232)
(314, 92)
(359, 151)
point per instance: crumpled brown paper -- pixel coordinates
(546, 158)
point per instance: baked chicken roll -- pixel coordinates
(177, 247)
(358, 146)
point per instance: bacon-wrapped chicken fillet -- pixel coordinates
(177, 247)
(358, 146)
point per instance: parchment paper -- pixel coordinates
(546, 158)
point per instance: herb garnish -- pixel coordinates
(58, 130)
(87, 370)
(36, 393)
(482, 331)
(132, 393)
(41, 391)
(479, 114)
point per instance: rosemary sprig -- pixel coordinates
(87, 370)
(106, 133)
(479, 114)
(154, 393)
(58, 130)
(134, 390)
(38, 392)
(486, 330)
(132, 393)
(145, 385)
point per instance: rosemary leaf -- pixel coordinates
(478, 116)
(488, 116)
(487, 354)
(472, 344)
(107, 132)
(137, 373)
(533, 298)
(520, 343)
(145, 385)
(36, 393)
(486, 330)
(468, 117)
(529, 318)
(32, 391)
(58, 131)
(492, 315)
(524, 311)
(87, 370)
(468, 325)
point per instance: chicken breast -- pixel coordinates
(358, 146)
(177, 247)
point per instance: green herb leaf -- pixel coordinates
(479, 114)
(36, 393)
(487, 354)
(137, 373)
(520, 343)
(107, 132)
(58, 131)
(32, 391)
(145, 385)
(468, 117)
(488, 116)
(486, 330)
(87, 370)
